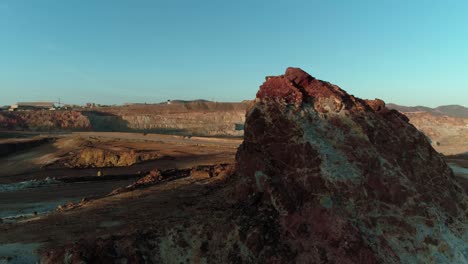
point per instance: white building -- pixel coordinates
(32, 106)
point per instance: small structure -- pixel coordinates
(90, 105)
(67, 107)
(32, 106)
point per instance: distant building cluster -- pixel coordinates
(49, 106)
(52, 106)
(91, 105)
(24, 106)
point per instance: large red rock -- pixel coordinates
(349, 180)
(321, 177)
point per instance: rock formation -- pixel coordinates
(92, 157)
(322, 177)
(350, 180)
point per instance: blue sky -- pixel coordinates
(116, 51)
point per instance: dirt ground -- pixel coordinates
(119, 214)
(33, 182)
(104, 215)
(174, 152)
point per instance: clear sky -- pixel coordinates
(116, 51)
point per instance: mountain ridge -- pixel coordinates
(448, 110)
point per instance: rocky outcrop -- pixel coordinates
(350, 181)
(90, 157)
(156, 176)
(321, 177)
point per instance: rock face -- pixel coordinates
(349, 181)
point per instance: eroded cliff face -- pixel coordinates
(164, 119)
(203, 118)
(350, 180)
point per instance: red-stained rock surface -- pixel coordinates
(321, 177)
(350, 180)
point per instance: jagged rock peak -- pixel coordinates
(349, 180)
(297, 86)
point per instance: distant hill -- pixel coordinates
(453, 110)
(448, 110)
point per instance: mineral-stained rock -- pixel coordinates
(153, 177)
(350, 180)
(97, 158)
(321, 177)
